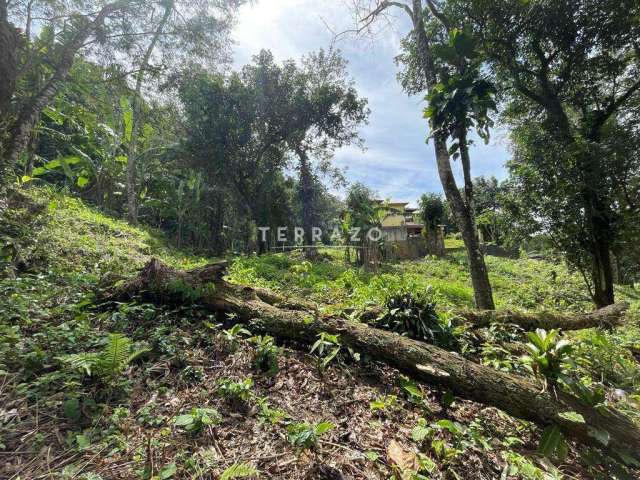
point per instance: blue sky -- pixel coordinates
(397, 162)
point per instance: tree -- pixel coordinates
(432, 213)
(363, 213)
(431, 210)
(571, 69)
(179, 32)
(443, 61)
(113, 33)
(237, 126)
(490, 218)
(329, 112)
(69, 29)
(244, 128)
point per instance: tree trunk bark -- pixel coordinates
(305, 191)
(607, 317)
(20, 132)
(482, 292)
(515, 395)
(483, 295)
(601, 265)
(9, 43)
(137, 120)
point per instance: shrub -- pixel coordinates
(197, 419)
(547, 353)
(416, 317)
(107, 364)
(265, 356)
(237, 394)
(305, 435)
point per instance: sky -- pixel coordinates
(396, 163)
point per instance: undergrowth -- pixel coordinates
(154, 391)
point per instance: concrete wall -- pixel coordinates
(394, 234)
(407, 249)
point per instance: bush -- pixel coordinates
(415, 317)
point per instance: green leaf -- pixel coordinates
(72, 410)
(421, 431)
(183, 420)
(54, 115)
(602, 436)
(550, 440)
(627, 458)
(82, 441)
(453, 427)
(238, 470)
(574, 417)
(168, 471)
(82, 181)
(371, 455)
(323, 427)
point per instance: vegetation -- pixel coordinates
(190, 287)
(40, 335)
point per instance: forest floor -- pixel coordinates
(185, 400)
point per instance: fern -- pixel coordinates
(238, 470)
(116, 356)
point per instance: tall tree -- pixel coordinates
(70, 28)
(328, 112)
(246, 125)
(572, 68)
(435, 53)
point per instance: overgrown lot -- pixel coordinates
(134, 390)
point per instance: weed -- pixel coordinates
(327, 347)
(238, 470)
(271, 415)
(304, 435)
(107, 364)
(197, 419)
(233, 335)
(265, 356)
(237, 394)
(548, 353)
(384, 403)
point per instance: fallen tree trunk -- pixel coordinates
(513, 394)
(608, 316)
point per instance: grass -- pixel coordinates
(49, 312)
(520, 283)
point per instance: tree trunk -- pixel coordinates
(515, 395)
(462, 212)
(483, 295)
(606, 317)
(9, 43)
(601, 265)
(305, 192)
(20, 132)
(137, 120)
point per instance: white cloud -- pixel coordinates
(397, 162)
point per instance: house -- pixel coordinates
(399, 222)
(401, 232)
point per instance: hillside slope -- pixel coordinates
(177, 395)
